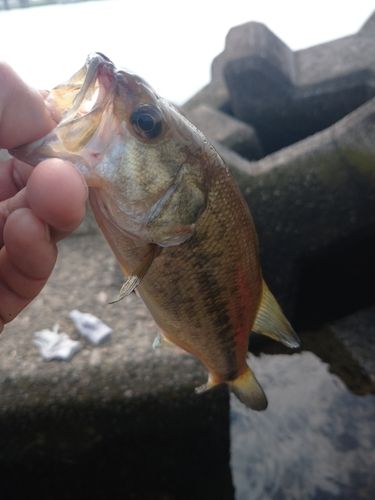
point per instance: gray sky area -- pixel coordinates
(169, 43)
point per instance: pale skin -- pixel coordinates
(38, 206)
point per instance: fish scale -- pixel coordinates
(204, 265)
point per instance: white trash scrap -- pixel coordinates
(90, 327)
(55, 345)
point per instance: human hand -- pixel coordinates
(38, 206)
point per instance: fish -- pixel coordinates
(173, 216)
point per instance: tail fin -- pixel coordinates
(248, 391)
(270, 321)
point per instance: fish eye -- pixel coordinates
(146, 121)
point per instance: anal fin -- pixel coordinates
(207, 386)
(161, 341)
(270, 321)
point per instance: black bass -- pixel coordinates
(173, 216)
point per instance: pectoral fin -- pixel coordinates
(171, 220)
(270, 321)
(135, 278)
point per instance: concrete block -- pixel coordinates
(254, 39)
(288, 96)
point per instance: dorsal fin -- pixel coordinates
(270, 321)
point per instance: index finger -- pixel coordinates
(24, 117)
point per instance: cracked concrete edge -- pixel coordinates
(98, 378)
(227, 130)
(368, 27)
(356, 332)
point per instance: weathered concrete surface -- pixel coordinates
(120, 411)
(368, 28)
(316, 198)
(231, 133)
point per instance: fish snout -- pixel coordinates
(100, 54)
(99, 67)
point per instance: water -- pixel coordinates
(316, 440)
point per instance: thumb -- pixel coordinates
(23, 115)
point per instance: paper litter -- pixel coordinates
(55, 345)
(90, 327)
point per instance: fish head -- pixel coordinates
(146, 160)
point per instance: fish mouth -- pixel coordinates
(86, 91)
(81, 108)
(88, 110)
